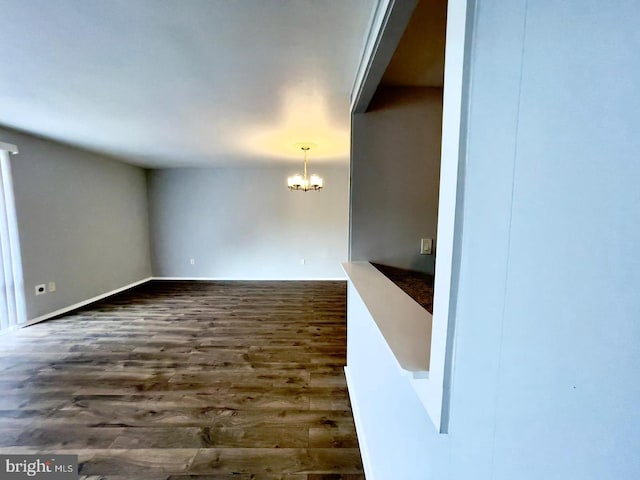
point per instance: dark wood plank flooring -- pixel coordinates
(176, 380)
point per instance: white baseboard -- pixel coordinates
(47, 316)
(357, 418)
(226, 279)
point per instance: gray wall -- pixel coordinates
(82, 220)
(395, 177)
(546, 352)
(243, 223)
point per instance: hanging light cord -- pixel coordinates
(305, 149)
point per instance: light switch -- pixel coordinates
(426, 246)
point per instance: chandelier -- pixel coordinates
(304, 182)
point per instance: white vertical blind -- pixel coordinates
(12, 308)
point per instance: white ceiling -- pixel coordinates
(184, 82)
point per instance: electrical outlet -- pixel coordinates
(302, 261)
(41, 289)
(192, 261)
(426, 246)
(52, 286)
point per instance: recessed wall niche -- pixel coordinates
(396, 146)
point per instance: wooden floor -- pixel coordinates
(207, 380)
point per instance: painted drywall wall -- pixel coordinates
(394, 429)
(565, 371)
(546, 351)
(82, 221)
(394, 177)
(243, 223)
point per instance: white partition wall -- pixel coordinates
(391, 442)
(543, 358)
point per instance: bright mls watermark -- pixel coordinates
(38, 467)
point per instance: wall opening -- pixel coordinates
(407, 165)
(396, 158)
